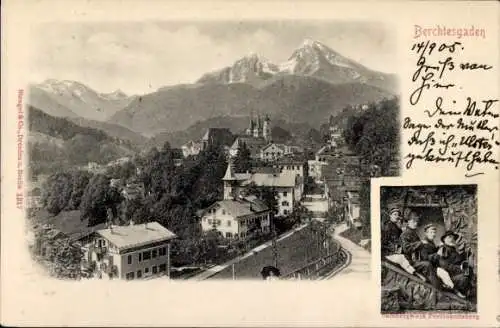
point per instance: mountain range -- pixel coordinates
(74, 99)
(312, 58)
(312, 84)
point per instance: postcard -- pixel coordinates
(258, 164)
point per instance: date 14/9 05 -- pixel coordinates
(427, 47)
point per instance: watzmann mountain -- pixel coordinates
(312, 58)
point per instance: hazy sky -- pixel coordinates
(140, 57)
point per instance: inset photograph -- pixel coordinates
(428, 247)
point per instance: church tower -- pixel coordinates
(251, 125)
(266, 128)
(229, 181)
(258, 128)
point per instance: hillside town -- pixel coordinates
(180, 213)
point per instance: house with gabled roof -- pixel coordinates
(236, 218)
(288, 186)
(134, 251)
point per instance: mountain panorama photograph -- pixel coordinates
(237, 150)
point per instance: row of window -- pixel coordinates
(274, 154)
(154, 270)
(147, 255)
(214, 210)
(230, 235)
(291, 167)
(218, 222)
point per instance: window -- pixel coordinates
(129, 259)
(155, 269)
(129, 276)
(285, 212)
(228, 223)
(285, 194)
(146, 255)
(146, 270)
(162, 251)
(154, 253)
(229, 235)
(223, 212)
(163, 267)
(209, 221)
(140, 257)
(285, 203)
(218, 222)
(139, 274)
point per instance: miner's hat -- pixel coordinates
(394, 210)
(429, 226)
(449, 233)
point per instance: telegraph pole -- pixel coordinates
(274, 242)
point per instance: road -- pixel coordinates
(360, 264)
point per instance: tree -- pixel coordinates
(243, 160)
(280, 135)
(57, 192)
(62, 256)
(97, 198)
(67, 258)
(125, 171)
(314, 136)
(159, 171)
(374, 135)
(268, 195)
(80, 180)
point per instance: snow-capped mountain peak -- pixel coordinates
(83, 100)
(311, 58)
(117, 94)
(251, 67)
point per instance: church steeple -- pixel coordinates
(251, 125)
(229, 175)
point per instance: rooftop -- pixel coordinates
(284, 179)
(241, 207)
(135, 235)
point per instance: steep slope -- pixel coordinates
(113, 130)
(41, 99)
(55, 143)
(314, 58)
(293, 98)
(307, 99)
(250, 69)
(311, 58)
(79, 98)
(176, 108)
